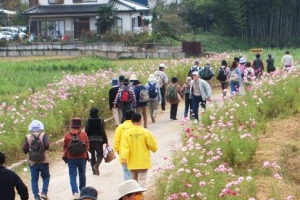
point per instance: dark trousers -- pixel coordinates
(163, 97)
(124, 108)
(173, 111)
(96, 150)
(188, 105)
(196, 101)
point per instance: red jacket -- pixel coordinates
(67, 140)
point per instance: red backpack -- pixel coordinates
(125, 96)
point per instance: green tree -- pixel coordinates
(106, 18)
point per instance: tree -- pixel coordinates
(106, 18)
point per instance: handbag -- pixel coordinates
(108, 154)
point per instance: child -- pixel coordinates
(249, 74)
(187, 101)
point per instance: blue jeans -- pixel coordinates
(127, 174)
(74, 165)
(196, 101)
(35, 171)
(234, 86)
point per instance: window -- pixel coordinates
(84, 1)
(56, 1)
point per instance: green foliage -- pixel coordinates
(107, 18)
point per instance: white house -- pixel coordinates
(77, 18)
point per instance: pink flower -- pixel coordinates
(202, 183)
(277, 176)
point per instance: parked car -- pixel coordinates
(8, 36)
(2, 37)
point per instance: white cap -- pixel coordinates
(162, 65)
(195, 73)
(242, 60)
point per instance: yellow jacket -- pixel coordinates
(136, 145)
(119, 135)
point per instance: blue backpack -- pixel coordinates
(152, 91)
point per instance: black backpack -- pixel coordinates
(152, 90)
(36, 149)
(222, 74)
(76, 147)
(206, 73)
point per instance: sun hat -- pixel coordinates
(130, 186)
(76, 123)
(136, 82)
(242, 60)
(133, 77)
(36, 126)
(114, 82)
(151, 77)
(162, 65)
(88, 193)
(195, 73)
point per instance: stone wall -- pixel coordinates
(106, 50)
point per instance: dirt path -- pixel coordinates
(166, 131)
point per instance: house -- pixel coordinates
(77, 18)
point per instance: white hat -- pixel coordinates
(162, 65)
(151, 77)
(130, 186)
(195, 73)
(36, 126)
(133, 77)
(242, 60)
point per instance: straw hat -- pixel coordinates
(130, 186)
(133, 77)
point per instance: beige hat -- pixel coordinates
(130, 186)
(195, 73)
(151, 77)
(133, 77)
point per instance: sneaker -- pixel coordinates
(145, 126)
(76, 196)
(196, 121)
(96, 170)
(154, 113)
(37, 198)
(44, 197)
(153, 119)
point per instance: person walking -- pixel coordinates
(154, 96)
(95, 130)
(173, 91)
(125, 98)
(207, 73)
(194, 68)
(270, 64)
(249, 74)
(223, 77)
(36, 145)
(9, 181)
(136, 145)
(258, 66)
(235, 78)
(200, 91)
(76, 156)
(130, 190)
(141, 107)
(116, 111)
(119, 132)
(162, 80)
(188, 103)
(287, 61)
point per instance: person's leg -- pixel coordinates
(191, 107)
(134, 174)
(81, 172)
(144, 114)
(92, 151)
(99, 151)
(163, 97)
(155, 108)
(127, 174)
(141, 177)
(151, 109)
(72, 164)
(34, 171)
(186, 105)
(120, 114)
(115, 112)
(45, 174)
(175, 107)
(171, 111)
(196, 107)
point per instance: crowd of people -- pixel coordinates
(130, 101)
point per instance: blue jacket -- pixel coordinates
(205, 89)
